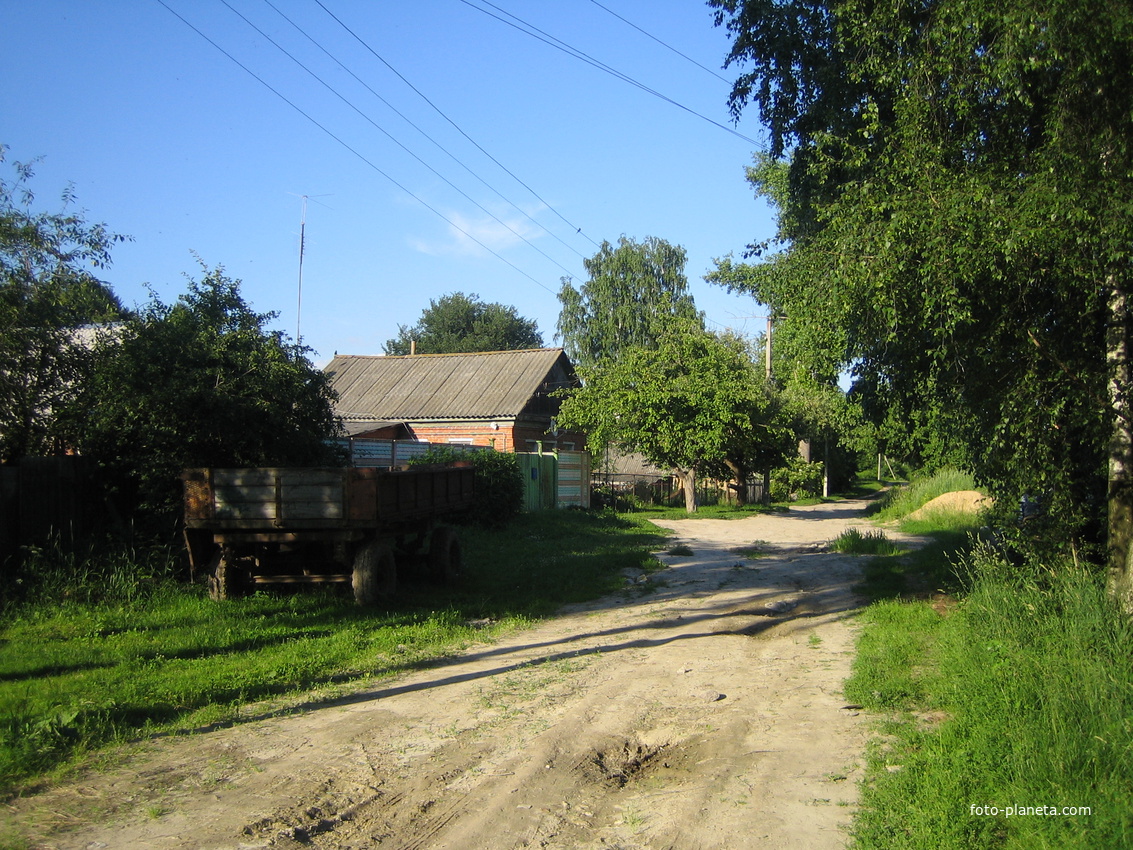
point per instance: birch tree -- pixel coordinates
(960, 197)
(634, 292)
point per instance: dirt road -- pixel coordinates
(700, 709)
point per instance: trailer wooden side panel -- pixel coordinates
(273, 498)
(247, 527)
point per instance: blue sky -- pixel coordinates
(168, 140)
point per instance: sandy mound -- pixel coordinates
(961, 501)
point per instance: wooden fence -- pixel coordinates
(47, 500)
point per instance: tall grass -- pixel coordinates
(903, 500)
(1019, 695)
(99, 653)
(853, 542)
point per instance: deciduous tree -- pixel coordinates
(457, 323)
(47, 291)
(960, 195)
(201, 382)
(633, 294)
(695, 404)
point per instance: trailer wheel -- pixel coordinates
(446, 558)
(225, 579)
(375, 572)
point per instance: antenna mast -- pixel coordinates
(302, 246)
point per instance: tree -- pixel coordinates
(46, 293)
(201, 382)
(459, 323)
(633, 294)
(959, 199)
(694, 404)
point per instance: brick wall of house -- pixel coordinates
(508, 437)
(479, 433)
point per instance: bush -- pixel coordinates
(499, 482)
(798, 479)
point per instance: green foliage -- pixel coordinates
(458, 323)
(695, 403)
(901, 500)
(76, 675)
(853, 542)
(1027, 682)
(201, 382)
(958, 220)
(47, 291)
(634, 294)
(499, 482)
(103, 572)
(797, 479)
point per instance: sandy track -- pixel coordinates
(700, 709)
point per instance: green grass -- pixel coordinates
(707, 511)
(922, 571)
(902, 500)
(853, 542)
(78, 673)
(1017, 693)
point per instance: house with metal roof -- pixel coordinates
(497, 398)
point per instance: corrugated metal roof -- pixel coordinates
(495, 384)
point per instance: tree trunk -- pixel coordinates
(1120, 582)
(741, 482)
(687, 477)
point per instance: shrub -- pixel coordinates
(798, 479)
(499, 482)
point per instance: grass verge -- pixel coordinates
(900, 501)
(78, 673)
(1006, 708)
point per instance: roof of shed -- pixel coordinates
(494, 384)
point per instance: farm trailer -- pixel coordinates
(246, 528)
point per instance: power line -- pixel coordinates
(660, 42)
(388, 135)
(437, 144)
(438, 110)
(352, 150)
(550, 40)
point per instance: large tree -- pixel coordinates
(960, 205)
(47, 292)
(200, 382)
(634, 292)
(695, 403)
(459, 323)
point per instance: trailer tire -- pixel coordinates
(446, 557)
(375, 572)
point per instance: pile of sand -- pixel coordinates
(961, 501)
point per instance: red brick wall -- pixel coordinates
(509, 437)
(480, 433)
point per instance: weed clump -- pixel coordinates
(853, 542)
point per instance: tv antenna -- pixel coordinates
(302, 251)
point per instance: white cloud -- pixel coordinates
(469, 236)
